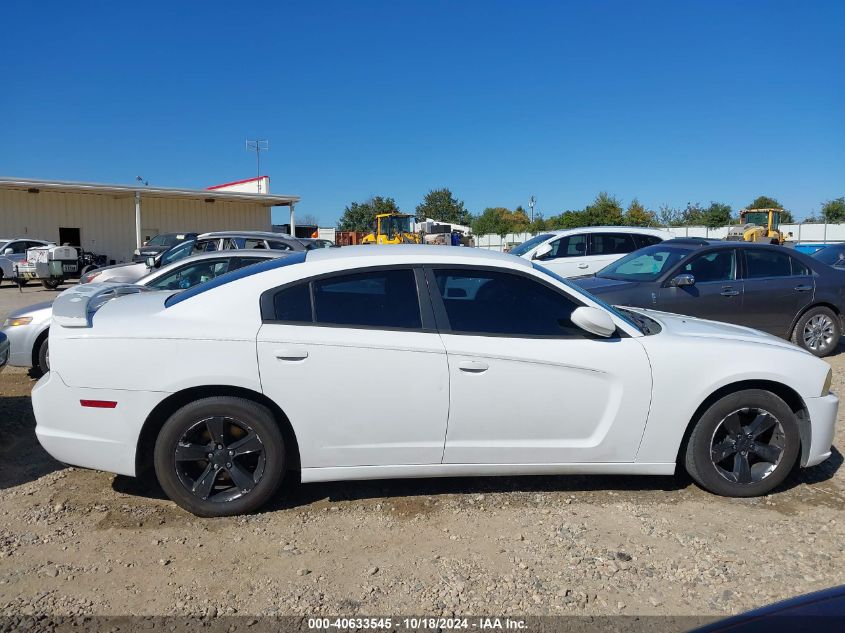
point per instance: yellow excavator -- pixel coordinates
(392, 228)
(758, 225)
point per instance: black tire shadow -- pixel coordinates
(23, 458)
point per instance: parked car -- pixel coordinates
(763, 286)
(582, 251)
(314, 242)
(831, 254)
(13, 253)
(160, 243)
(270, 370)
(205, 243)
(28, 328)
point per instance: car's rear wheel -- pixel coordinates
(44, 356)
(220, 456)
(818, 331)
(744, 445)
(51, 284)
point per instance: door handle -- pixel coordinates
(583, 265)
(291, 353)
(803, 287)
(729, 292)
(473, 366)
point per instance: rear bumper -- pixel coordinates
(822, 426)
(103, 439)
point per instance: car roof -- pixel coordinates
(262, 253)
(611, 229)
(416, 253)
(268, 235)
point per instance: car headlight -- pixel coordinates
(827, 381)
(13, 321)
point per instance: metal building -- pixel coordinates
(114, 220)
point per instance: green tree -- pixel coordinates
(717, 214)
(605, 210)
(765, 202)
(360, 216)
(441, 205)
(834, 210)
(669, 216)
(638, 215)
(500, 221)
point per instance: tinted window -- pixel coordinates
(383, 298)
(293, 303)
(771, 263)
(646, 240)
(279, 246)
(831, 255)
(611, 244)
(19, 247)
(504, 303)
(717, 266)
(569, 246)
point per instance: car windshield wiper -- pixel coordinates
(642, 322)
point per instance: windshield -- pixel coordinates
(830, 255)
(177, 252)
(760, 219)
(578, 290)
(165, 239)
(529, 245)
(396, 224)
(646, 264)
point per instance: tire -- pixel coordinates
(229, 417)
(51, 284)
(818, 331)
(746, 411)
(43, 365)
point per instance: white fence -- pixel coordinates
(804, 232)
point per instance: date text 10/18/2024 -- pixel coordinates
(412, 623)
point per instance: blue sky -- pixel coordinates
(667, 101)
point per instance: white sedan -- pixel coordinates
(415, 361)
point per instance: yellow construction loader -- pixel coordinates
(758, 225)
(392, 228)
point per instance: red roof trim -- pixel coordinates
(237, 182)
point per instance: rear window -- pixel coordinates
(611, 243)
(240, 273)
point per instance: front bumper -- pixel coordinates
(103, 439)
(20, 345)
(822, 426)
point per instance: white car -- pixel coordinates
(415, 361)
(586, 250)
(13, 254)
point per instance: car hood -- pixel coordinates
(680, 325)
(600, 285)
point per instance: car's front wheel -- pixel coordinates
(744, 445)
(220, 456)
(818, 331)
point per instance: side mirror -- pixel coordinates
(9, 251)
(594, 321)
(151, 262)
(542, 251)
(683, 280)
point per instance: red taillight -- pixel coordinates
(99, 404)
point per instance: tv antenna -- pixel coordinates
(258, 145)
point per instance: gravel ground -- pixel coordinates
(79, 542)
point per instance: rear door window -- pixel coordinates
(771, 263)
(381, 298)
(643, 240)
(611, 244)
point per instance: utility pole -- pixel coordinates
(258, 145)
(531, 202)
